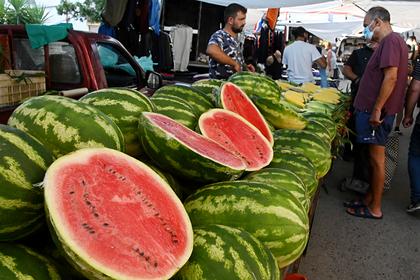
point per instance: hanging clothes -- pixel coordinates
(154, 16)
(142, 16)
(114, 11)
(106, 29)
(182, 41)
(263, 44)
(129, 14)
(272, 15)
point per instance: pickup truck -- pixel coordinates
(76, 65)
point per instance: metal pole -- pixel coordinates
(198, 31)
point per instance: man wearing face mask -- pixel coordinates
(224, 48)
(379, 98)
(299, 57)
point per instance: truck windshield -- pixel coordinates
(64, 66)
(118, 71)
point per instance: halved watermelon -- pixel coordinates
(234, 99)
(178, 149)
(238, 135)
(115, 218)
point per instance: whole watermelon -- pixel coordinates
(23, 162)
(64, 125)
(123, 106)
(239, 256)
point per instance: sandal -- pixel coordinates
(363, 212)
(354, 203)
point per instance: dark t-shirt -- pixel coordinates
(358, 61)
(391, 52)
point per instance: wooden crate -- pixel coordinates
(14, 90)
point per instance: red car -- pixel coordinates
(80, 63)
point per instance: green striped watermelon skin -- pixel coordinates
(23, 162)
(175, 108)
(283, 179)
(123, 106)
(274, 216)
(175, 157)
(324, 119)
(319, 129)
(198, 100)
(64, 125)
(309, 144)
(298, 164)
(256, 84)
(20, 262)
(222, 252)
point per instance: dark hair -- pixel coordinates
(379, 12)
(232, 10)
(299, 32)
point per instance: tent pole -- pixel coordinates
(198, 31)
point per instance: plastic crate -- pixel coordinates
(18, 85)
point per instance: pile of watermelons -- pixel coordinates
(213, 181)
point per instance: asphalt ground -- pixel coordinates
(345, 247)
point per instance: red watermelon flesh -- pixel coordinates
(196, 142)
(236, 134)
(116, 216)
(234, 99)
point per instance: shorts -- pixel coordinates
(366, 134)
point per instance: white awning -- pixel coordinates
(266, 3)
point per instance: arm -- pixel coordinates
(388, 84)
(215, 52)
(349, 74)
(329, 55)
(410, 102)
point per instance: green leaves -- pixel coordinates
(89, 10)
(22, 12)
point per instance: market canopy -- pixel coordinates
(266, 3)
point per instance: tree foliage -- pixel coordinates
(89, 10)
(22, 12)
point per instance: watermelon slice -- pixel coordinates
(114, 217)
(234, 99)
(238, 135)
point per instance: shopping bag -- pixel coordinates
(391, 158)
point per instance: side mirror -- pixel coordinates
(154, 80)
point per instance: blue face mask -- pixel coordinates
(367, 33)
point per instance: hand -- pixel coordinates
(375, 118)
(408, 121)
(251, 68)
(237, 67)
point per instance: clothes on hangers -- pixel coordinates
(114, 11)
(182, 40)
(154, 16)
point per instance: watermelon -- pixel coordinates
(240, 256)
(319, 129)
(324, 119)
(223, 126)
(114, 217)
(298, 164)
(254, 84)
(123, 106)
(317, 150)
(20, 262)
(175, 148)
(198, 100)
(175, 185)
(64, 125)
(273, 215)
(23, 162)
(283, 179)
(232, 98)
(176, 108)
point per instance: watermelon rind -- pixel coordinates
(123, 106)
(74, 253)
(23, 163)
(274, 216)
(64, 125)
(20, 262)
(239, 256)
